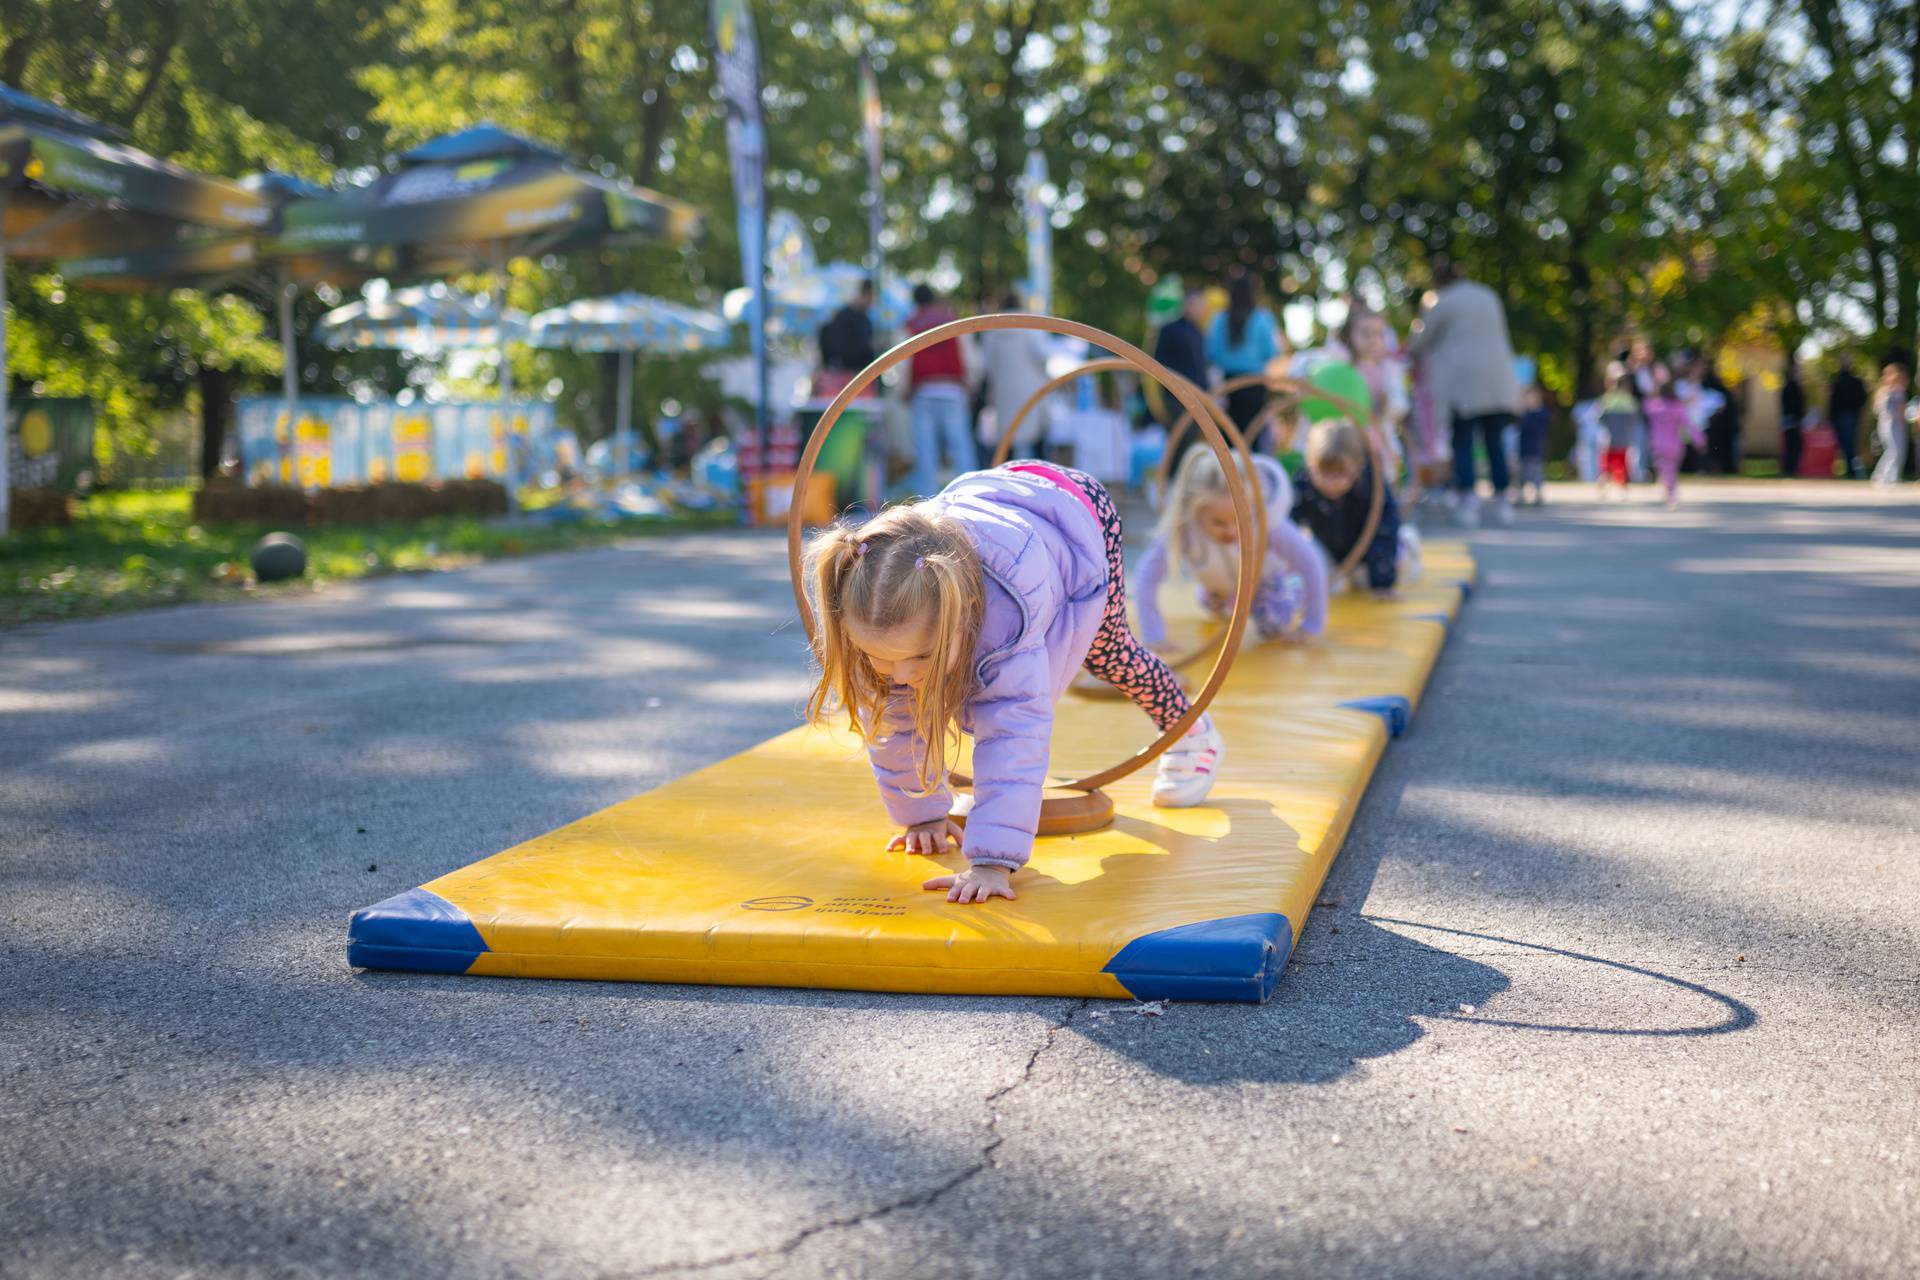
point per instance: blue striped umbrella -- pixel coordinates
(627, 322)
(425, 321)
(798, 306)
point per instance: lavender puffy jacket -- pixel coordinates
(1044, 559)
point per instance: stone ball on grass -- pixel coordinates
(279, 557)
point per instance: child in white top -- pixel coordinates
(1890, 409)
(1198, 533)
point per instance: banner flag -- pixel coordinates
(872, 120)
(737, 70)
(1039, 236)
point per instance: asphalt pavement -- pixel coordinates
(1618, 974)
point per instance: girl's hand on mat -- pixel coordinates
(975, 884)
(928, 839)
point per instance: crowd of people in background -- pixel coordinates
(1453, 407)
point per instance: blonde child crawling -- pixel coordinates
(1198, 533)
(970, 613)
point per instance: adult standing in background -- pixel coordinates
(1016, 367)
(1642, 375)
(939, 409)
(846, 340)
(1723, 424)
(1244, 339)
(1793, 409)
(1463, 338)
(1182, 347)
(1846, 397)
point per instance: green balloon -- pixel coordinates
(1342, 380)
(1164, 301)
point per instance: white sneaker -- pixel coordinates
(1502, 511)
(1186, 771)
(1467, 514)
(1410, 560)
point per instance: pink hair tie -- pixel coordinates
(919, 562)
(860, 548)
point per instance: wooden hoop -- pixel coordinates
(1190, 398)
(1106, 364)
(1244, 454)
(1301, 389)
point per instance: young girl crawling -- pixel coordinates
(970, 612)
(1198, 532)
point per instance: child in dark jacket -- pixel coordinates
(1333, 498)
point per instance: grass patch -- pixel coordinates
(137, 550)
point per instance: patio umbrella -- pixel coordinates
(228, 261)
(68, 188)
(71, 188)
(800, 304)
(483, 195)
(426, 320)
(627, 322)
(480, 192)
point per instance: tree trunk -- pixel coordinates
(158, 59)
(1863, 184)
(1906, 305)
(572, 77)
(653, 98)
(216, 409)
(992, 203)
(13, 63)
(1580, 300)
(1903, 305)
(656, 113)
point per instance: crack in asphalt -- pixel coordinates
(920, 1200)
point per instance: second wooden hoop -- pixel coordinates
(1303, 389)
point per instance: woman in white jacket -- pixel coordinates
(1015, 364)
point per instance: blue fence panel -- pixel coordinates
(334, 440)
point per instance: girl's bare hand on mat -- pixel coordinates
(927, 838)
(975, 884)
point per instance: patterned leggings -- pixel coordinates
(1117, 656)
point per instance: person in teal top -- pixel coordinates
(1244, 339)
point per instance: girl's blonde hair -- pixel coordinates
(1199, 478)
(902, 566)
(1336, 440)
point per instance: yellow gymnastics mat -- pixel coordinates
(770, 868)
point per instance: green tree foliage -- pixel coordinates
(1652, 166)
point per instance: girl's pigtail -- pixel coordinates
(829, 559)
(956, 578)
